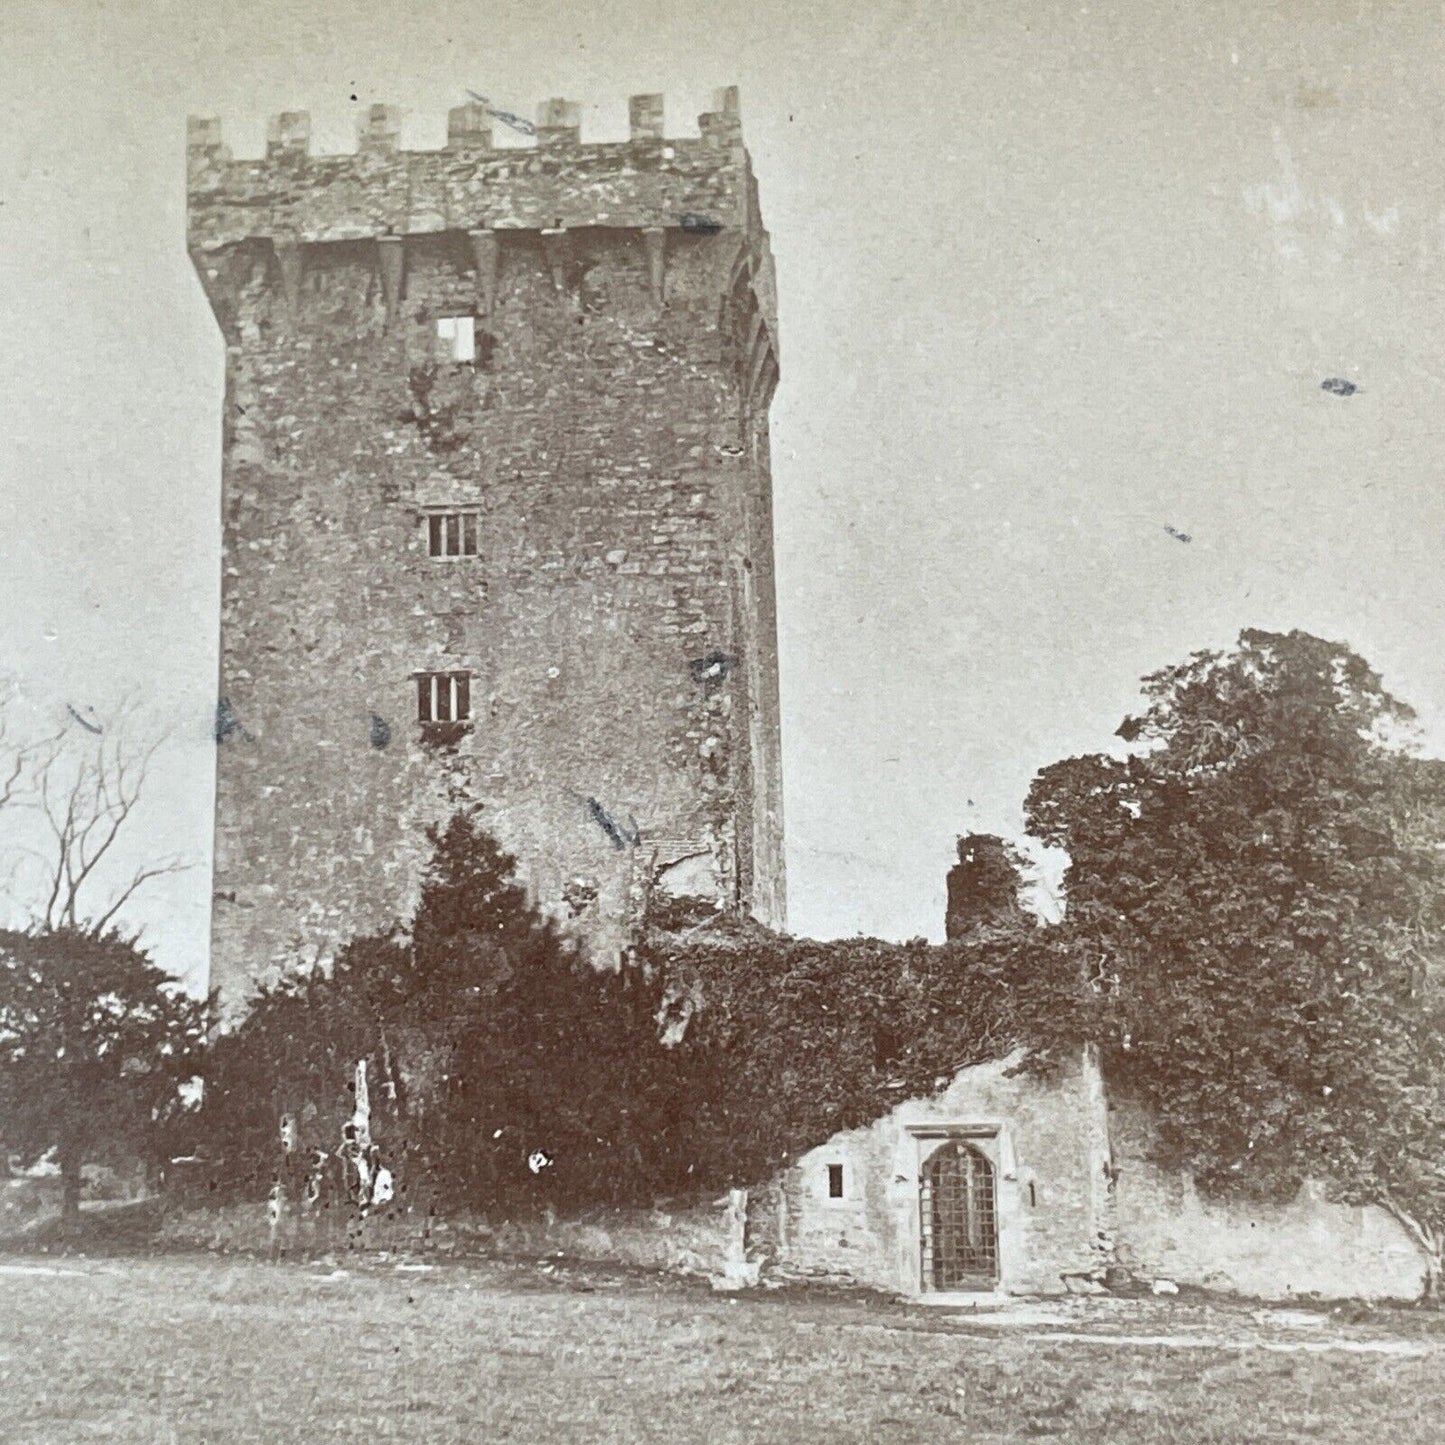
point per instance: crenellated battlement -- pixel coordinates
(554, 181)
(668, 192)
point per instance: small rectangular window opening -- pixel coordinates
(459, 334)
(452, 534)
(835, 1181)
(443, 697)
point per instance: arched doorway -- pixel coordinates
(958, 1219)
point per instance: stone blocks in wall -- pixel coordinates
(552, 179)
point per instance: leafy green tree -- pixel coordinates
(718, 1053)
(1256, 912)
(95, 1043)
(539, 1049)
(488, 1033)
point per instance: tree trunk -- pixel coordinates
(1432, 1242)
(1434, 1268)
(69, 1192)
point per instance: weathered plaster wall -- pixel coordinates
(1044, 1158)
(1307, 1247)
(1097, 1199)
(618, 620)
(693, 1240)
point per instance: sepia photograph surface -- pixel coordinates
(722, 722)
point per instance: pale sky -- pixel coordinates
(1053, 278)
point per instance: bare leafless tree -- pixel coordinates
(21, 752)
(18, 754)
(82, 784)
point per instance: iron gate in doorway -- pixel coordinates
(958, 1219)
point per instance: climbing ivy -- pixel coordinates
(717, 1052)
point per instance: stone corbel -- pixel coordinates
(484, 257)
(759, 363)
(769, 383)
(655, 239)
(756, 328)
(290, 262)
(391, 267)
(217, 273)
(557, 248)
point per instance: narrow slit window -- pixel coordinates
(835, 1181)
(443, 697)
(458, 336)
(451, 534)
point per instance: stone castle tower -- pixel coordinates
(497, 522)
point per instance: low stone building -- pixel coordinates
(1312, 1246)
(1003, 1185)
(997, 1184)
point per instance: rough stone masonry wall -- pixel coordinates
(618, 620)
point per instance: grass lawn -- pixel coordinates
(200, 1348)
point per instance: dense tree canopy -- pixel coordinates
(488, 1035)
(1256, 912)
(95, 1043)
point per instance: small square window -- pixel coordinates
(458, 335)
(451, 534)
(835, 1181)
(443, 697)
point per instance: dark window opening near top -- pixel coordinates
(451, 534)
(443, 697)
(835, 1181)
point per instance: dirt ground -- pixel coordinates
(224, 1349)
